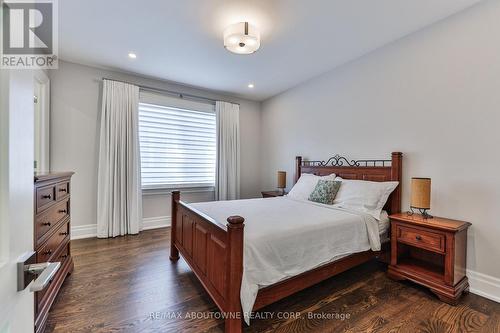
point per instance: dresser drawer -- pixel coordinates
(48, 251)
(49, 219)
(62, 256)
(433, 241)
(45, 197)
(62, 190)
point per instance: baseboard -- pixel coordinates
(484, 285)
(155, 222)
(83, 231)
(90, 230)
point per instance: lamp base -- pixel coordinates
(422, 211)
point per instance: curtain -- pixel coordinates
(119, 197)
(227, 181)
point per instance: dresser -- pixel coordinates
(52, 205)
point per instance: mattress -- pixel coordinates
(284, 237)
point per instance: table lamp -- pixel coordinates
(282, 181)
(421, 196)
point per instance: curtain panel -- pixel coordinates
(227, 185)
(119, 197)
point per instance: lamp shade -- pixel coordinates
(281, 179)
(421, 193)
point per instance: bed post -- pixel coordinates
(298, 165)
(396, 175)
(174, 252)
(234, 274)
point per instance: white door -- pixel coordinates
(16, 196)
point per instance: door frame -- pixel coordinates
(42, 142)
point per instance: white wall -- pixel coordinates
(75, 110)
(435, 96)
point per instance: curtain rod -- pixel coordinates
(171, 92)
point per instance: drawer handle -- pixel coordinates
(62, 211)
(47, 196)
(48, 224)
(62, 190)
(418, 237)
(63, 233)
(49, 252)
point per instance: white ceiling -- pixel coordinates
(181, 40)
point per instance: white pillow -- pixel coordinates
(306, 184)
(364, 196)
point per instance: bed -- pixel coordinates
(340, 239)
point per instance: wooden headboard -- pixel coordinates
(373, 170)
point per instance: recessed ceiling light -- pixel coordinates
(132, 55)
(250, 85)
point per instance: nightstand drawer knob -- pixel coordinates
(418, 237)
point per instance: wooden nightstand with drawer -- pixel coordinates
(431, 252)
(272, 194)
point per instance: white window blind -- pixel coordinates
(178, 145)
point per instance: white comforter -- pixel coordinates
(284, 237)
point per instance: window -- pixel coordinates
(177, 141)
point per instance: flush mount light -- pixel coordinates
(132, 55)
(241, 38)
(250, 85)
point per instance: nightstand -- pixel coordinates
(430, 252)
(270, 194)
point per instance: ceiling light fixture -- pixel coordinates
(241, 38)
(250, 85)
(132, 55)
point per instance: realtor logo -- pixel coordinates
(29, 34)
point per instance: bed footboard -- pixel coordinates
(215, 254)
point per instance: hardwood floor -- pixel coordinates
(128, 284)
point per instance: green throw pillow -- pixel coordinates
(325, 191)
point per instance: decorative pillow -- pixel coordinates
(364, 196)
(306, 184)
(325, 191)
